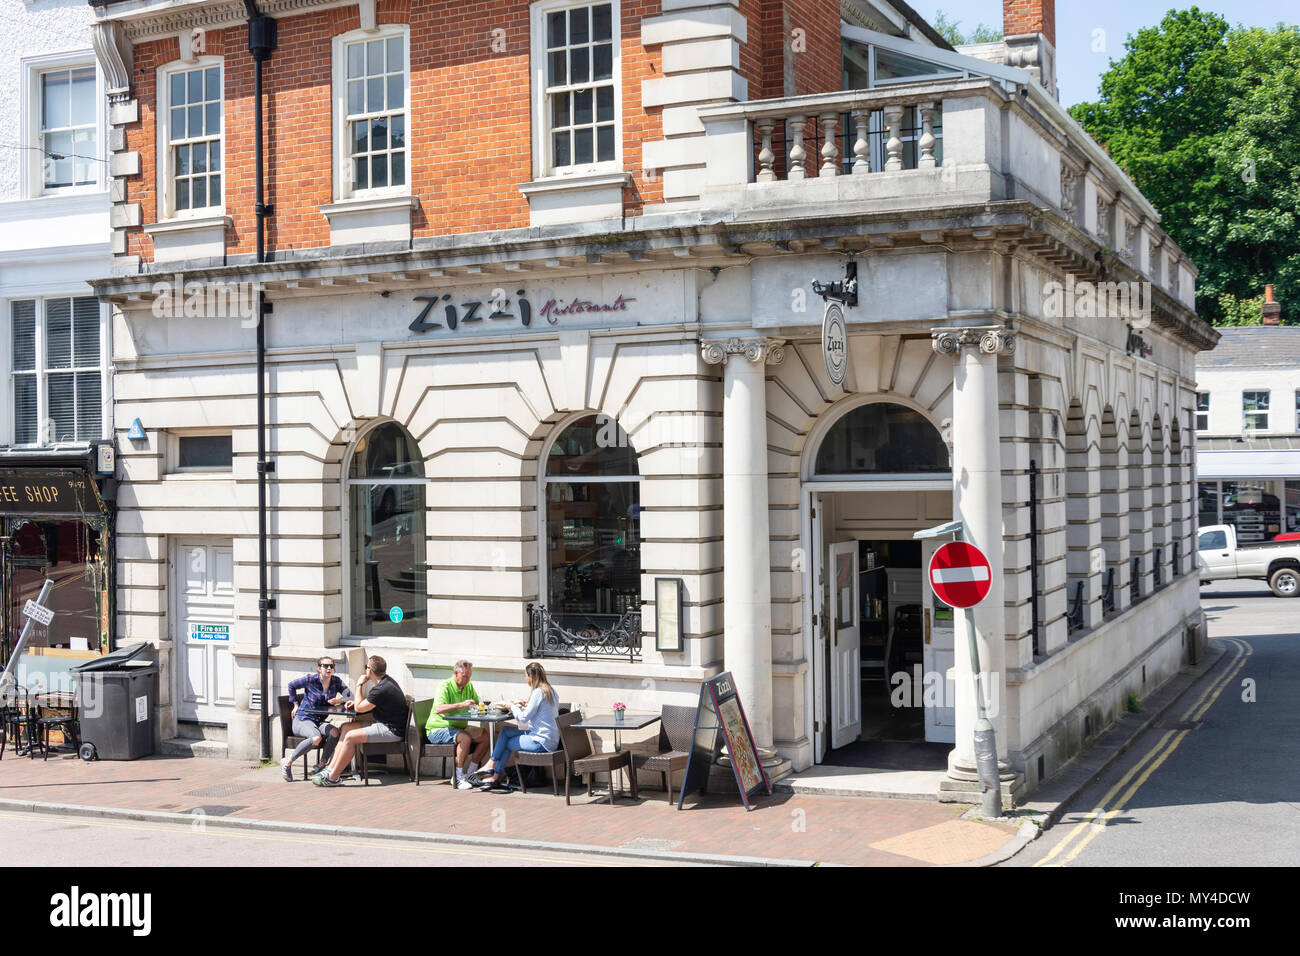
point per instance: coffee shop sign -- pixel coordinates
(439, 311)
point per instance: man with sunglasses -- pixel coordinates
(386, 704)
(320, 690)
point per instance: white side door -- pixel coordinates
(204, 585)
(938, 692)
(846, 649)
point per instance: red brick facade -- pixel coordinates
(470, 137)
(1029, 16)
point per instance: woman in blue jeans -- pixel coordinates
(542, 733)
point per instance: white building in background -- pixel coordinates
(55, 404)
(1248, 429)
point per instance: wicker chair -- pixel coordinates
(580, 759)
(287, 734)
(404, 746)
(676, 730)
(419, 717)
(555, 761)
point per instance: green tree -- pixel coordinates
(950, 30)
(1206, 121)
(1240, 311)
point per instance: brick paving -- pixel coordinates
(844, 830)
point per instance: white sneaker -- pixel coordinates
(464, 784)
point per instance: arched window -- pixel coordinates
(593, 526)
(386, 530)
(882, 439)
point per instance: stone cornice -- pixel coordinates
(684, 240)
(148, 21)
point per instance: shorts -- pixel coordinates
(443, 735)
(380, 733)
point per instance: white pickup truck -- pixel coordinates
(1221, 559)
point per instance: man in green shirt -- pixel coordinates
(471, 743)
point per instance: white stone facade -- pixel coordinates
(707, 352)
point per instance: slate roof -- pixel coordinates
(1254, 346)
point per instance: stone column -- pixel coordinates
(977, 503)
(747, 571)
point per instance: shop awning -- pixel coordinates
(1259, 463)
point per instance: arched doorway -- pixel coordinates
(876, 471)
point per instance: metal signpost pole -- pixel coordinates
(12, 664)
(986, 743)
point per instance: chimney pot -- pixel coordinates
(1272, 310)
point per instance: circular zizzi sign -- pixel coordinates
(395, 614)
(835, 343)
(960, 574)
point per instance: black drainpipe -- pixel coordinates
(261, 41)
(1033, 554)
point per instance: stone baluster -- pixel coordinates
(861, 146)
(894, 147)
(927, 141)
(830, 149)
(766, 158)
(795, 125)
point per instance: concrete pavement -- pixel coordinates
(783, 829)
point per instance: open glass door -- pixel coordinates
(939, 693)
(845, 649)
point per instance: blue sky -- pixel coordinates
(1079, 66)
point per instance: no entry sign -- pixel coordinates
(960, 574)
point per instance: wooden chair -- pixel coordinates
(419, 717)
(555, 761)
(404, 746)
(287, 736)
(676, 731)
(580, 759)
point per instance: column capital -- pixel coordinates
(990, 339)
(763, 351)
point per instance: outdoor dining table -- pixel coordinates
(630, 721)
(491, 718)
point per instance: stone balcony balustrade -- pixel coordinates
(1000, 141)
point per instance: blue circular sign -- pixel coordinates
(395, 614)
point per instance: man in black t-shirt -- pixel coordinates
(388, 705)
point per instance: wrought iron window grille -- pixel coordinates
(1108, 593)
(584, 636)
(1075, 616)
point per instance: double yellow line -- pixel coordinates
(1096, 820)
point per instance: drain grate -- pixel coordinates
(220, 790)
(213, 810)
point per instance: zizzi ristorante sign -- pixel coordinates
(445, 311)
